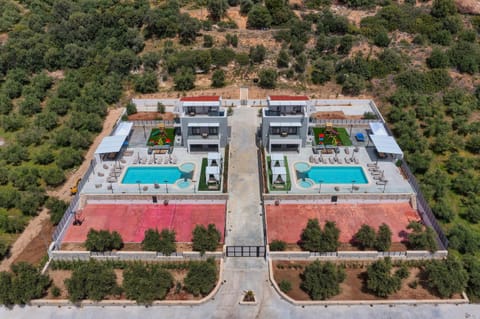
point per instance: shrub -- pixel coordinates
(278, 245)
(4, 249)
(321, 280)
(207, 41)
(353, 85)
(402, 272)
(56, 292)
(205, 239)
(259, 18)
(184, 79)
(131, 108)
(146, 283)
(53, 176)
(437, 59)
(163, 242)
(201, 277)
(285, 286)
(245, 6)
(146, 83)
(103, 240)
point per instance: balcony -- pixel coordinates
(204, 136)
(273, 113)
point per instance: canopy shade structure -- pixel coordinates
(378, 128)
(277, 157)
(111, 144)
(124, 128)
(386, 144)
(214, 156)
(279, 170)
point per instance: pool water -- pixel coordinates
(183, 183)
(154, 174)
(187, 167)
(302, 167)
(305, 183)
(334, 174)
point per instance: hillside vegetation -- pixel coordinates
(62, 63)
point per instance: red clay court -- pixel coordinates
(131, 221)
(287, 221)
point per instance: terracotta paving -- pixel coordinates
(131, 221)
(287, 221)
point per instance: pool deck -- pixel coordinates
(107, 175)
(397, 183)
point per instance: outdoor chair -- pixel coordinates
(347, 151)
(357, 161)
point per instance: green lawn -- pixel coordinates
(340, 139)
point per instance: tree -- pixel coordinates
(353, 85)
(447, 276)
(30, 105)
(4, 251)
(245, 6)
(131, 108)
(217, 9)
(365, 237)
(57, 209)
(201, 277)
(259, 18)
(188, 28)
(146, 83)
(322, 71)
(257, 53)
(472, 209)
(23, 284)
(53, 176)
(321, 280)
(463, 239)
(268, 78)
(47, 120)
(6, 104)
(384, 238)
(381, 39)
(380, 279)
(91, 280)
(473, 144)
(150, 61)
(184, 79)
(283, 59)
(103, 240)
(420, 238)
(163, 242)
(472, 265)
(68, 158)
(437, 59)
(443, 8)
(205, 239)
(313, 238)
(218, 79)
(146, 283)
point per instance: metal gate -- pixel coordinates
(245, 251)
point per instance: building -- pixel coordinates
(285, 123)
(203, 121)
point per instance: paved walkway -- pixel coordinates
(244, 219)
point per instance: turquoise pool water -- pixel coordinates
(184, 183)
(187, 167)
(333, 174)
(305, 183)
(155, 174)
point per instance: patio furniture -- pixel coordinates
(123, 161)
(324, 160)
(347, 151)
(360, 137)
(331, 160)
(111, 180)
(105, 166)
(357, 161)
(100, 174)
(347, 160)
(145, 188)
(339, 160)
(311, 159)
(98, 185)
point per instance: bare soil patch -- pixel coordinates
(2, 141)
(38, 246)
(353, 286)
(150, 116)
(335, 115)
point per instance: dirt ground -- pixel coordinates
(335, 115)
(39, 230)
(180, 247)
(353, 286)
(349, 247)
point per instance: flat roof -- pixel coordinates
(203, 98)
(111, 144)
(386, 144)
(378, 128)
(124, 128)
(288, 98)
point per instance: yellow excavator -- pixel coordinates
(74, 188)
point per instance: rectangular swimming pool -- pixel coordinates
(335, 174)
(157, 174)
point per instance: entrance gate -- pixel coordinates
(245, 251)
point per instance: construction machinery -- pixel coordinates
(74, 188)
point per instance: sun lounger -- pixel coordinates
(105, 166)
(100, 174)
(123, 161)
(331, 160)
(315, 159)
(381, 182)
(357, 161)
(150, 161)
(174, 161)
(372, 165)
(98, 185)
(324, 160)
(347, 160)
(111, 180)
(347, 151)
(311, 159)
(135, 161)
(339, 160)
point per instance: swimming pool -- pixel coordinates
(331, 174)
(158, 174)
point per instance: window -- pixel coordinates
(213, 130)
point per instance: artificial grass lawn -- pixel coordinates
(160, 137)
(288, 183)
(341, 138)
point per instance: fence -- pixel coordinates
(423, 206)
(69, 213)
(357, 255)
(153, 123)
(339, 122)
(131, 255)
